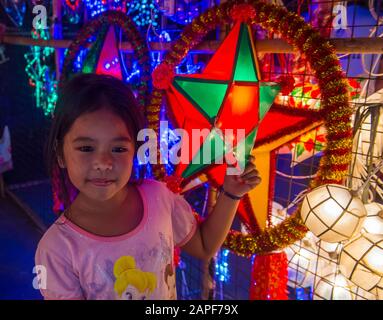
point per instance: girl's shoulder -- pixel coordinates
(55, 235)
(151, 185)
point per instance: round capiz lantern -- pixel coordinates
(374, 220)
(333, 286)
(378, 291)
(301, 266)
(330, 248)
(332, 213)
(361, 260)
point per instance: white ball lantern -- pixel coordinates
(301, 265)
(361, 260)
(332, 213)
(374, 221)
(378, 291)
(333, 286)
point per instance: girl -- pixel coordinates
(92, 145)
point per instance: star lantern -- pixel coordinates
(103, 57)
(228, 95)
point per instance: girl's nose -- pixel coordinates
(103, 162)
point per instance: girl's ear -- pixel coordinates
(60, 158)
(61, 162)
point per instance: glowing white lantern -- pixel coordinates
(333, 286)
(378, 291)
(332, 249)
(361, 260)
(332, 213)
(374, 221)
(301, 264)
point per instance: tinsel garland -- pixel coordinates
(269, 277)
(335, 107)
(140, 50)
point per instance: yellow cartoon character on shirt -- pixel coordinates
(132, 283)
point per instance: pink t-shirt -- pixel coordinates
(136, 265)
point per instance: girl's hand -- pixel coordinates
(239, 185)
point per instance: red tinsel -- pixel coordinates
(162, 76)
(287, 83)
(173, 183)
(269, 277)
(242, 12)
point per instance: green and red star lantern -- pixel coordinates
(229, 94)
(104, 50)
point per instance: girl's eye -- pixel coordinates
(85, 149)
(119, 149)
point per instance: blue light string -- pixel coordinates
(222, 266)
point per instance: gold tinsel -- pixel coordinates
(345, 143)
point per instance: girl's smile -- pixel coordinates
(101, 182)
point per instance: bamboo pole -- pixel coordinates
(355, 45)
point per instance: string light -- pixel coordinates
(96, 7)
(40, 75)
(222, 266)
(143, 12)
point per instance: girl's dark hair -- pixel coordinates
(86, 93)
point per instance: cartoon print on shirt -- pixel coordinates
(103, 285)
(132, 283)
(143, 253)
(166, 251)
(170, 280)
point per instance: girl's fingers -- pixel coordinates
(249, 174)
(249, 167)
(253, 180)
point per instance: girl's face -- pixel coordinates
(98, 154)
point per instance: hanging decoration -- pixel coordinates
(228, 95)
(333, 286)
(143, 12)
(222, 273)
(361, 260)
(333, 213)
(103, 57)
(306, 146)
(42, 77)
(119, 19)
(183, 11)
(374, 220)
(269, 277)
(97, 7)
